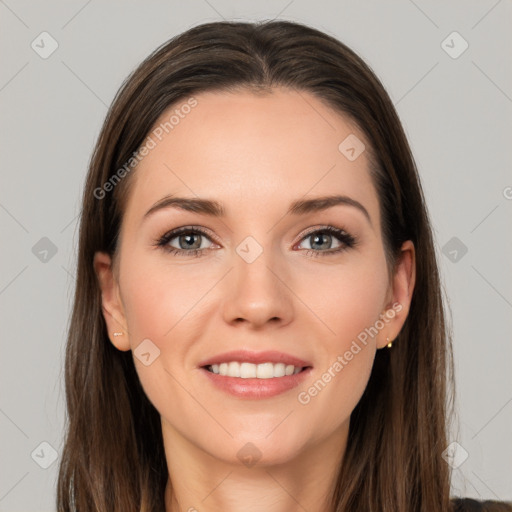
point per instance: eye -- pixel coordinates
(189, 241)
(321, 241)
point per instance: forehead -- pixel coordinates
(250, 150)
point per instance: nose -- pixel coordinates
(258, 293)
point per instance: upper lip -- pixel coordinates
(247, 356)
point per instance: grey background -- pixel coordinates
(457, 115)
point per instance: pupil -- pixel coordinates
(316, 237)
(188, 242)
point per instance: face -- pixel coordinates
(310, 283)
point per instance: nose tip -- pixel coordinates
(255, 295)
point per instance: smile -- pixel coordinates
(255, 387)
(254, 371)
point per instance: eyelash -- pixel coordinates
(348, 241)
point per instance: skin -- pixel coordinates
(254, 154)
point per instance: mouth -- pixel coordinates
(255, 381)
(247, 374)
(245, 370)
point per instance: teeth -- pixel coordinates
(251, 371)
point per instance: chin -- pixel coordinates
(255, 451)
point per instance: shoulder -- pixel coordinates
(470, 505)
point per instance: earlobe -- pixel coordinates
(404, 280)
(112, 307)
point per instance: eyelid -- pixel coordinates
(321, 227)
(192, 228)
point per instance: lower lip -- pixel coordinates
(256, 388)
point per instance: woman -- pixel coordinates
(219, 357)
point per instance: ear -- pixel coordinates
(401, 294)
(112, 307)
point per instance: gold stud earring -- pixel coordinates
(390, 343)
(118, 334)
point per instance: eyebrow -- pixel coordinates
(215, 209)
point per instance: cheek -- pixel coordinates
(161, 300)
(346, 357)
(346, 297)
(349, 306)
(164, 303)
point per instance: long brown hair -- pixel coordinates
(113, 458)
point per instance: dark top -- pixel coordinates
(470, 505)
